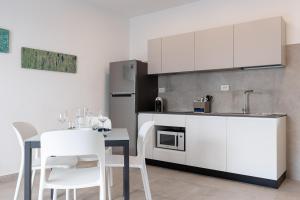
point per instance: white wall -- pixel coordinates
(66, 26)
(206, 14)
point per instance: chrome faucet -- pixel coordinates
(246, 109)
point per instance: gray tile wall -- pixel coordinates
(276, 90)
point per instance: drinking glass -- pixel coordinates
(91, 123)
(78, 116)
(72, 121)
(85, 112)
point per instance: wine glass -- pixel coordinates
(62, 118)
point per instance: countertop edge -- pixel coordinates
(216, 114)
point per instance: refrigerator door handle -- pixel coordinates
(122, 95)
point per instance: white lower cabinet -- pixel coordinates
(142, 118)
(172, 156)
(206, 142)
(256, 147)
(169, 120)
(241, 145)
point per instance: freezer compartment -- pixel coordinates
(123, 77)
(123, 115)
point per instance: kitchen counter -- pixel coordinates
(257, 115)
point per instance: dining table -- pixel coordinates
(117, 137)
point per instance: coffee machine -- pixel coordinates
(159, 104)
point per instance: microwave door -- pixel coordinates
(167, 140)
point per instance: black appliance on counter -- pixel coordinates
(159, 104)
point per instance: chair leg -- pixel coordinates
(109, 185)
(41, 191)
(102, 191)
(41, 187)
(67, 194)
(74, 194)
(146, 182)
(20, 176)
(32, 177)
(54, 194)
(111, 176)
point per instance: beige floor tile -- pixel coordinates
(175, 185)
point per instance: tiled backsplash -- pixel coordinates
(276, 90)
(181, 89)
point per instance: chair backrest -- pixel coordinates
(72, 143)
(23, 131)
(143, 137)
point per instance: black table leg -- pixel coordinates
(126, 189)
(27, 171)
(51, 193)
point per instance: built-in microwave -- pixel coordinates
(174, 140)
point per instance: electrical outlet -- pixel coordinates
(225, 87)
(161, 90)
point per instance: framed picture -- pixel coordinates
(47, 60)
(4, 41)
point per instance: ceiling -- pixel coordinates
(132, 8)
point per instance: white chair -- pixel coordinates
(136, 161)
(72, 143)
(23, 131)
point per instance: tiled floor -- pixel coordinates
(174, 185)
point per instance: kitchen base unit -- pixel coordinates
(220, 174)
(245, 148)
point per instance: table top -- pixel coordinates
(116, 134)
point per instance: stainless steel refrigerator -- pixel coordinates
(131, 91)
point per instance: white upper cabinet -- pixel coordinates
(154, 56)
(252, 44)
(259, 43)
(178, 53)
(206, 142)
(214, 48)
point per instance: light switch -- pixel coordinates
(161, 90)
(225, 88)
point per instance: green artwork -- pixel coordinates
(4, 41)
(46, 60)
